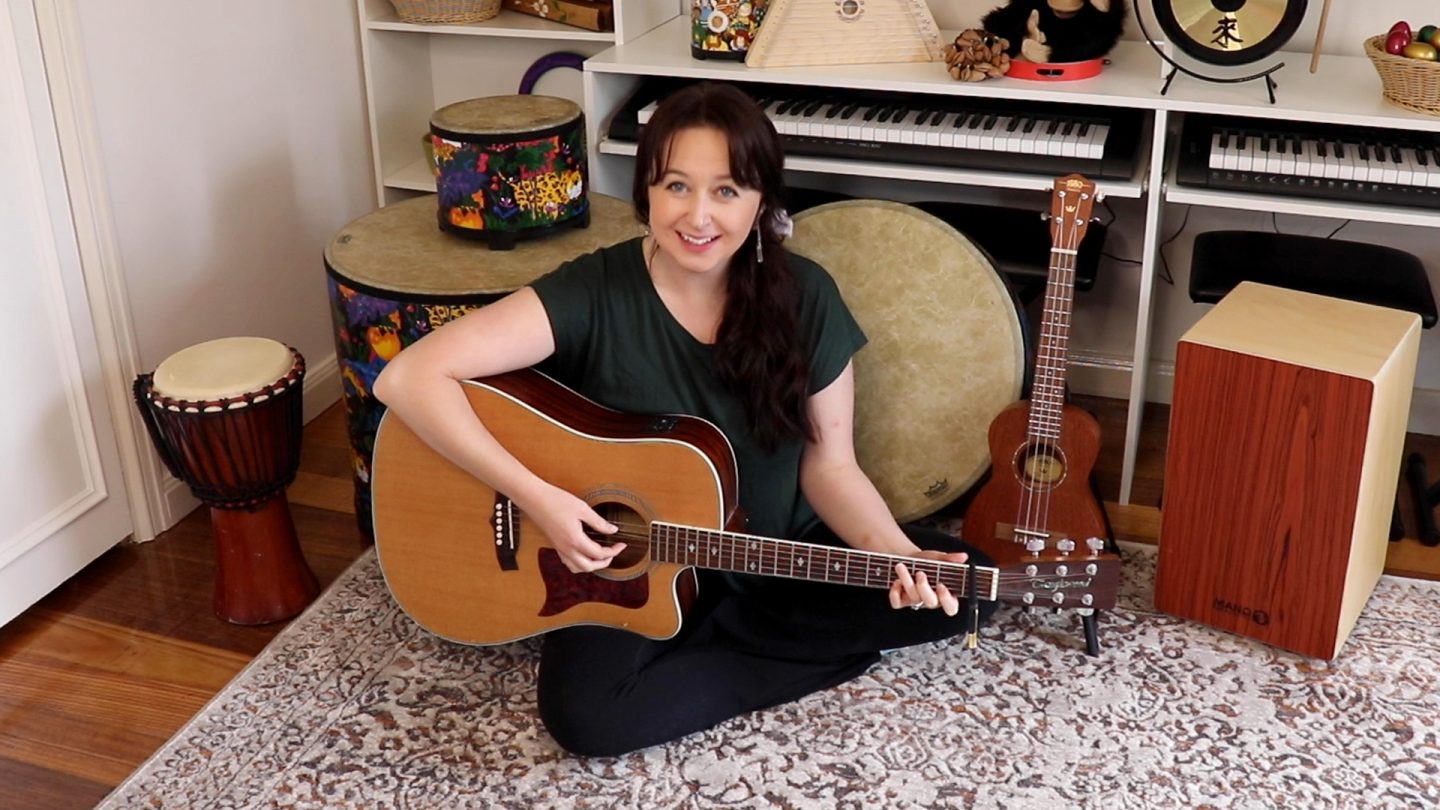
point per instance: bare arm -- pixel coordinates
(847, 501)
(422, 386)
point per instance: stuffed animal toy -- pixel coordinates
(1058, 30)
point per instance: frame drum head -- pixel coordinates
(946, 351)
(224, 368)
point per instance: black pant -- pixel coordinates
(744, 646)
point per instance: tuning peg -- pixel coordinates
(1095, 544)
(1044, 216)
(1035, 545)
(1065, 545)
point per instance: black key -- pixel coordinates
(850, 111)
(870, 114)
(1395, 155)
(833, 111)
(991, 121)
(1013, 125)
(937, 117)
(1068, 128)
(1084, 129)
(961, 119)
(1320, 149)
(1264, 144)
(1420, 157)
(1054, 125)
(813, 108)
(1029, 124)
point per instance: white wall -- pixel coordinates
(234, 145)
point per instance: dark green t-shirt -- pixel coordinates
(617, 344)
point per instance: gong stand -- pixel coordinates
(1176, 67)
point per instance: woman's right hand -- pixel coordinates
(564, 517)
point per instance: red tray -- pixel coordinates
(1055, 71)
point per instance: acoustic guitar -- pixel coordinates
(465, 563)
(1043, 450)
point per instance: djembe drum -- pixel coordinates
(225, 417)
(946, 349)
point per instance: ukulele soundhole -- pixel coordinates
(1041, 466)
(634, 533)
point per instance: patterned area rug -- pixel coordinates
(353, 705)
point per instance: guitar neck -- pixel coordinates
(1047, 396)
(751, 554)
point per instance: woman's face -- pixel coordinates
(699, 216)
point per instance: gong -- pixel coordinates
(1229, 32)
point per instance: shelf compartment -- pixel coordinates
(1132, 188)
(1302, 206)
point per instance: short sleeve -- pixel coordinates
(570, 295)
(826, 324)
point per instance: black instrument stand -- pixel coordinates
(1176, 67)
(1092, 632)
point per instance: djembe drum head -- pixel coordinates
(219, 369)
(946, 350)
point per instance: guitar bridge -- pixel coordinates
(506, 531)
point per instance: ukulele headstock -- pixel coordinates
(1070, 206)
(1062, 576)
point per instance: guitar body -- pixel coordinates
(1024, 473)
(462, 561)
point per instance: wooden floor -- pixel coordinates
(100, 673)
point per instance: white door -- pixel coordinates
(62, 496)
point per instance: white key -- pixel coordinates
(643, 116)
(1217, 157)
(1230, 157)
(1332, 162)
(1350, 163)
(1246, 153)
(1095, 145)
(1287, 159)
(1405, 174)
(1391, 170)
(1271, 152)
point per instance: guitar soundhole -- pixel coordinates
(634, 533)
(1040, 466)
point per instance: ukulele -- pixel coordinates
(1038, 496)
(465, 563)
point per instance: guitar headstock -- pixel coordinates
(1064, 577)
(1071, 203)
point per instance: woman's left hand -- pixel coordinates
(918, 592)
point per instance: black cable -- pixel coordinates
(1167, 276)
(1337, 228)
(1121, 259)
(1274, 223)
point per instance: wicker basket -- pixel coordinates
(445, 11)
(1412, 83)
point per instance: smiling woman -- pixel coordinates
(706, 316)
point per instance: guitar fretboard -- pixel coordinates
(751, 554)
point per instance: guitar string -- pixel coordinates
(777, 557)
(1034, 510)
(1060, 334)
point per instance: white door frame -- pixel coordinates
(154, 505)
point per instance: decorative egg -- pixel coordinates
(1401, 26)
(1420, 50)
(1396, 42)
(1426, 33)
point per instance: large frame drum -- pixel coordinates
(946, 351)
(393, 278)
(226, 417)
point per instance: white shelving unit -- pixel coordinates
(1345, 90)
(412, 70)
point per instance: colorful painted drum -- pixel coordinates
(510, 167)
(394, 279)
(225, 417)
(724, 29)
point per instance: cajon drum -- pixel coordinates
(1286, 430)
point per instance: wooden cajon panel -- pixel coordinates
(1286, 429)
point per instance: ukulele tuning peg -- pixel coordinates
(1065, 546)
(1044, 216)
(1095, 544)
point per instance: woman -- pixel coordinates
(707, 315)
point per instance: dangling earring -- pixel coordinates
(759, 245)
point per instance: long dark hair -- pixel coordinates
(757, 349)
